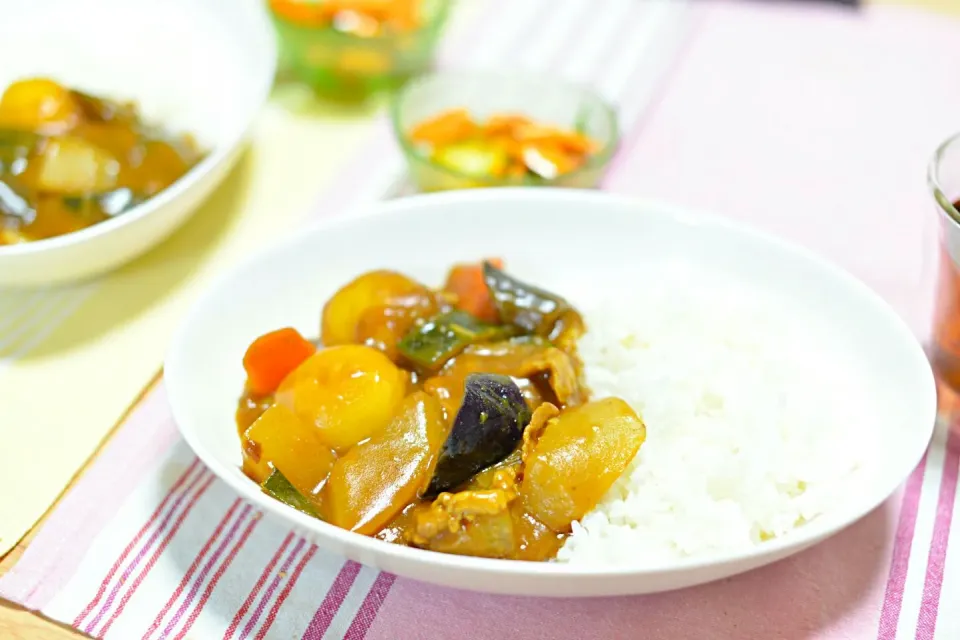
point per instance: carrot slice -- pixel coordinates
(403, 15)
(516, 170)
(272, 356)
(473, 296)
(570, 141)
(506, 124)
(448, 127)
(302, 13)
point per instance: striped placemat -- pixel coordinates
(150, 545)
(125, 579)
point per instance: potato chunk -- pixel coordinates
(373, 482)
(343, 312)
(38, 103)
(72, 165)
(579, 455)
(348, 393)
(278, 439)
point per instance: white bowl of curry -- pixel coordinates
(116, 123)
(434, 423)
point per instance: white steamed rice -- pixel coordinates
(751, 427)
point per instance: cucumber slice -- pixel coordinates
(473, 158)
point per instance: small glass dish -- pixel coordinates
(545, 100)
(943, 179)
(343, 66)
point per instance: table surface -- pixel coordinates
(17, 623)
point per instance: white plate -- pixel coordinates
(198, 66)
(572, 242)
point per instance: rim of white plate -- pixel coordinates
(797, 539)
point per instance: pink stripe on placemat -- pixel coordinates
(161, 509)
(332, 602)
(370, 607)
(203, 478)
(900, 561)
(286, 592)
(255, 591)
(930, 604)
(181, 518)
(193, 567)
(195, 589)
(251, 525)
(251, 623)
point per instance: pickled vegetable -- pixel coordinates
(578, 457)
(347, 393)
(487, 429)
(511, 147)
(278, 439)
(360, 18)
(374, 481)
(450, 126)
(473, 158)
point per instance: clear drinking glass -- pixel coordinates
(944, 179)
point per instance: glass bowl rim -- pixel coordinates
(933, 178)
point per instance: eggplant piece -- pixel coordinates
(277, 486)
(430, 345)
(488, 428)
(531, 309)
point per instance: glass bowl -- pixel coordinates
(545, 100)
(348, 67)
